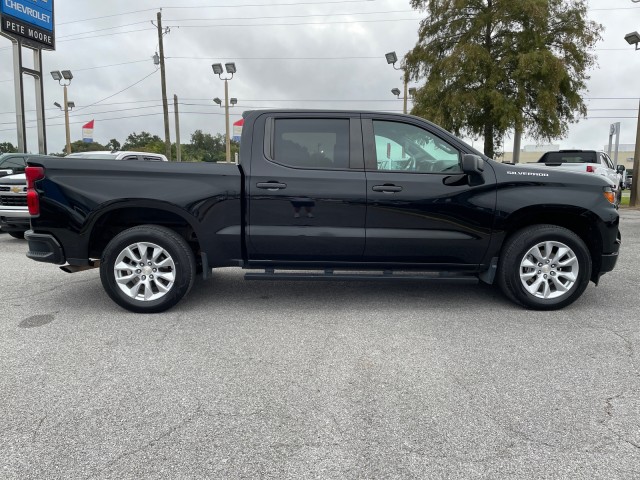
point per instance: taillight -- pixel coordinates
(590, 169)
(33, 174)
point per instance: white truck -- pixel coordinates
(14, 214)
(585, 161)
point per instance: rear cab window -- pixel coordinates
(569, 157)
(311, 143)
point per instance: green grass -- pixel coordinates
(626, 196)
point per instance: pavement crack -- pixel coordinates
(196, 413)
(167, 331)
(48, 290)
(511, 431)
(628, 346)
(35, 432)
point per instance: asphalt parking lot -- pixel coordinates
(317, 380)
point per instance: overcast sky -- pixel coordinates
(288, 54)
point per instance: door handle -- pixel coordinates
(271, 186)
(386, 188)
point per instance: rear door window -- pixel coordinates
(317, 143)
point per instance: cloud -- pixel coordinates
(278, 65)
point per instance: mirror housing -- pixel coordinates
(472, 164)
(620, 169)
(6, 171)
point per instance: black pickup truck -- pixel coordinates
(326, 194)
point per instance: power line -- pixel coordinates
(341, 22)
(372, 57)
(119, 92)
(101, 29)
(263, 17)
(216, 6)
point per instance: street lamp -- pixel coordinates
(633, 38)
(412, 94)
(217, 70)
(392, 58)
(67, 76)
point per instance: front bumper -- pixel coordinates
(608, 260)
(9, 224)
(44, 248)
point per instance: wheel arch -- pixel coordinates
(580, 221)
(114, 219)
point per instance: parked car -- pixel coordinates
(14, 214)
(323, 195)
(107, 155)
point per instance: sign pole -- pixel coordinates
(42, 131)
(19, 96)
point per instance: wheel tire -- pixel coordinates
(526, 278)
(618, 196)
(166, 278)
(18, 235)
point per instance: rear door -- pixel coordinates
(307, 189)
(421, 208)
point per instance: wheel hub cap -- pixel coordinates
(144, 271)
(549, 270)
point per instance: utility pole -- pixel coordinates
(66, 120)
(406, 91)
(516, 145)
(175, 109)
(226, 116)
(163, 80)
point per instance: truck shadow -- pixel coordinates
(228, 288)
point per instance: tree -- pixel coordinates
(7, 147)
(80, 146)
(113, 145)
(144, 142)
(205, 147)
(492, 65)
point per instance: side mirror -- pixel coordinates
(6, 171)
(620, 169)
(472, 164)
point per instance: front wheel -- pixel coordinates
(18, 235)
(147, 269)
(544, 267)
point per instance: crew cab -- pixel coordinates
(326, 195)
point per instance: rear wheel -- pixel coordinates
(544, 267)
(147, 268)
(19, 235)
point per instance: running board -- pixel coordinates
(271, 274)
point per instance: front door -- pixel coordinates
(421, 208)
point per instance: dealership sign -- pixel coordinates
(30, 22)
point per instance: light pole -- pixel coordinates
(231, 69)
(634, 39)
(67, 76)
(392, 58)
(412, 94)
